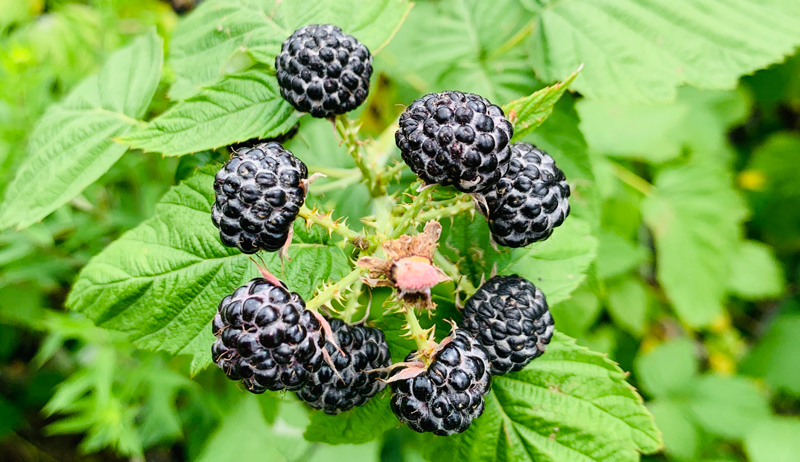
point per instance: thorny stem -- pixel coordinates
(335, 291)
(411, 212)
(631, 179)
(443, 212)
(415, 331)
(348, 133)
(451, 270)
(333, 226)
(351, 306)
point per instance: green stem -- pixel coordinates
(349, 135)
(334, 291)
(631, 179)
(443, 212)
(462, 282)
(333, 172)
(387, 175)
(411, 212)
(416, 331)
(351, 306)
(341, 183)
(340, 228)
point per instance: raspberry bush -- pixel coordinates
(387, 228)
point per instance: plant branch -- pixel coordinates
(348, 133)
(415, 331)
(341, 183)
(333, 226)
(335, 291)
(333, 172)
(450, 269)
(448, 211)
(631, 179)
(410, 215)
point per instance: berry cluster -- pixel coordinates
(269, 340)
(356, 372)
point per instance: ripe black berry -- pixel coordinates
(449, 394)
(529, 201)
(266, 338)
(365, 349)
(323, 71)
(508, 315)
(258, 194)
(455, 138)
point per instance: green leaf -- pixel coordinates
(560, 137)
(775, 356)
(755, 273)
(668, 369)
(529, 112)
(557, 265)
(162, 281)
(775, 189)
(362, 452)
(10, 417)
(237, 108)
(356, 426)
(627, 305)
(204, 43)
(569, 405)
(244, 434)
(473, 48)
(695, 216)
(659, 132)
(776, 440)
(641, 50)
(681, 434)
(73, 144)
(728, 406)
(576, 314)
(617, 255)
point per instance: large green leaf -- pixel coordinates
(755, 273)
(775, 356)
(528, 112)
(569, 405)
(557, 265)
(238, 108)
(641, 50)
(162, 281)
(73, 144)
(473, 47)
(659, 132)
(776, 440)
(214, 37)
(669, 369)
(694, 214)
(356, 426)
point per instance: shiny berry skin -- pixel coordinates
(365, 349)
(450, 393)
(508, 315)
(258, 195)
(529, 201)
(454, 138)
(266, 338)
(323, 71)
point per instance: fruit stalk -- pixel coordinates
(415, 330)
(444, 212)
(333, 226)
(462, 282)
(410, 215)
(348, 133)
(334, 291)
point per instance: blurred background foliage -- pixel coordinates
(694, 288)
